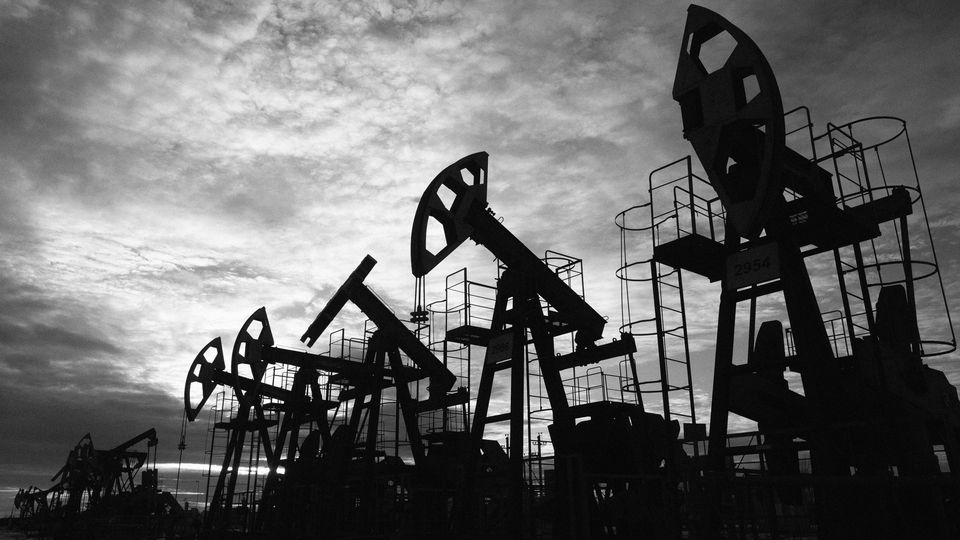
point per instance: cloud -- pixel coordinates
(63, 375)
(169, 167)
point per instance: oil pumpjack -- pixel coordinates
(95, 495)
(853, 430)
(604, 439)
(871, 417)
(320, 476)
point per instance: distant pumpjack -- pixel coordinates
(321, 467)
(95, 490)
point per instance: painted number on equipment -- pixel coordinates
(756, 265)
(500, 348)
(753, 266)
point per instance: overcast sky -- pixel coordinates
(168, 167)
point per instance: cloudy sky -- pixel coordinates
(168, 167)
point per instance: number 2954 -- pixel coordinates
(747, 267)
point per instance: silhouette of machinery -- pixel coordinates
(336, 480)
(852, 428)
(869, 419)
(323, 479)
(595, 443)
(95, 494)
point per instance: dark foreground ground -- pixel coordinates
(7, 534)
